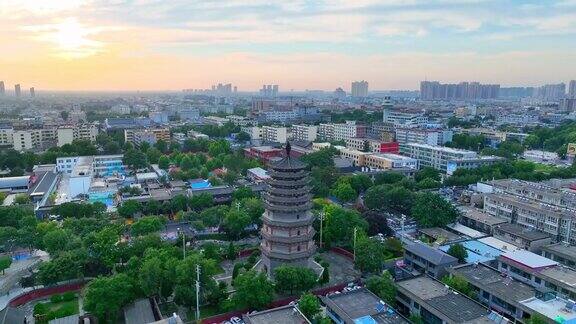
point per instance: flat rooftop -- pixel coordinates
(553, 309)
(439, 233)
(564, 250)
(522, 232)
(285, 314)
(560, 274)
(465, 230)
(529, 259)
(480, 216)
(361, 306)
(477, 251)
(429, 253)
(491, 280)
(434, 294)
(443, 149)
(392, 157)
(139, 312)
(498, 244)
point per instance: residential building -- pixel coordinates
(65, 135)
(17, 91)
(2, 88)
(158, 117)
(214, 120)
(274, 134)
(126, 123)
(388, 161)
(32, 92)
(497, 292)
(189, 114)
(241, 120)
(360, 306)
(435, 303)
(149, 135)
(423, 136)
(479, 220)
(372, 145)
(255, 132)
(304, 132)
(539, 272)
(434, 90)
(404, 118)
(445, 159)
(562, 253)
(572, 89)
(522, 237)
(6, 135)
(550, 92)
(427, 260)
(348, 130)
(381, 131)
(358, 158)
(359, 89)
(269, 90)
(120, 109)
(326, 132)
(102, 165)
(25, 140)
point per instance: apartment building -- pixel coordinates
(149, 135)
(6, 136)
(304, 132)
(423, 136)
(562, 253)
(326, 132)
(381, 131)
(358, 158)
(274, 134)
(427, 260)
(446, 159)
(372, 145)
(388, 161)
(404, 118)
(241, 120)
(348, 130)
(254, 132)
(101, 165)
(34, 139)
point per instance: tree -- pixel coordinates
(253, 290)
(383, 286)
(147, 225)
(201, 201)
(459, 252)
(431, 210)
(339, 225)
(370, 254)
(242, 193)
(427, 173)
(294, 279)
(377, 223)
(235, 222)
(5, 262)
(161, 146)
(56, 241)
(153, 155)
(309, 305)
(129, 208)
(135, 159)
(164, 162)
(344, 192)
(64, 115)
(106, 296)
(537, 319)
(22, 199)
(150, 276)
(242, 137)
(389, 198)
(360, 182)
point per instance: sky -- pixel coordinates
(393, 44)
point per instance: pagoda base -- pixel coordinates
(260, 266)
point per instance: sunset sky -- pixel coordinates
(175, 44)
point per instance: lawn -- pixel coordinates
(59, 306)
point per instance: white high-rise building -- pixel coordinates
(359, 89)
(572, 89)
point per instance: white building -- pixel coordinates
(388, 161)
(326, 132)
(348, 130)
(423, 136)
(446, 159)
(25, 140)
(359, 89)
(189, 114)
(404, 118)
(65, 135)
(241, 120)
(6, 136)
(274, 134)
(255, 132)
(304, 132)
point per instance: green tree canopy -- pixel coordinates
(431, 210)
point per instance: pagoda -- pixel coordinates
(287, 232)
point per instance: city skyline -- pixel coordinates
(173, 45)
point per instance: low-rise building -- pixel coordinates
(372, 145)
(435, 303)
(562, 253)
(285, 314)
(387, 161)
(423, 136)
(274, 134)
(360, 306)
(522, 237)
(479, 220)
(307, 133)
(148, 135)
(254, 132)
(427, 260)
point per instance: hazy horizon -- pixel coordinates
(158, 46)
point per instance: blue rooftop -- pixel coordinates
(202, 184)
(477, 251)
(365, 320)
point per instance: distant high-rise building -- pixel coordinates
(550, 92)
(359, 89)
(235, 89)
(572, 89)
(434, 90)
(32, 92)
(2, 89)
(339, 93)
(17, 90)
(269, 90)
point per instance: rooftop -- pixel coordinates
(560, 274)
(529, 259)
(498, 244)
(465, 230)
(392, 157)
(362, 306)
(443, 149)
(429, 253)
(480, 216)
(434, 294)
(139, 312)
(522, 232)
(439, 233)
(286, 314)
(564, 250)
(477, 251)
(492, 281)
(554, 309)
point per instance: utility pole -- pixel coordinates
(321, 223)
(197, 292)
(355, 230)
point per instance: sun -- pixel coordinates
(72, 39)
